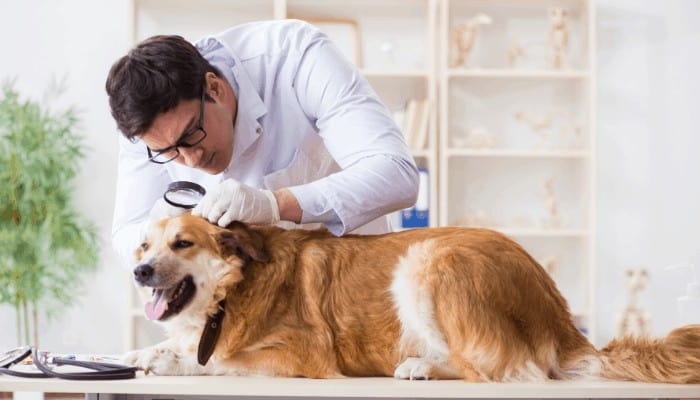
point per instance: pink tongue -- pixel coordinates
(156, 307)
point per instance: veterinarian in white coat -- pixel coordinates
(283, 130)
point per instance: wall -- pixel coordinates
(78, 40)
(648, 170)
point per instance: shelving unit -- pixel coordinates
(395, 44)
(405, 48)
(517, 143)
(510, 73)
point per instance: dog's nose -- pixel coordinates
(143, 273)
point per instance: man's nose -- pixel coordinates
(191, 155)
(143, 273)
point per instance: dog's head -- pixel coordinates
(190, 264)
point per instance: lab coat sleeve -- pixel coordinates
(139, 184)
(378, 173)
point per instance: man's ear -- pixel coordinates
(242, 242)
(214, 85)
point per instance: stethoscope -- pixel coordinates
(43, 361)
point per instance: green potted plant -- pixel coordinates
(46, 246)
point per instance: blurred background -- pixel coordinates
(591, 161)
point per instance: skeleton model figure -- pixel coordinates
(633, 320)
(544, 123)
(540, 126)
(465, 36)
(515, 52)
(477, 138)
(558, 36)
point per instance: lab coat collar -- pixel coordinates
(247, 128)
(251, 107)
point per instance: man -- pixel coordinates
(268, 117)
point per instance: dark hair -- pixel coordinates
(153, 78)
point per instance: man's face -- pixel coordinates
(211, 155)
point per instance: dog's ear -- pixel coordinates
(242, 242)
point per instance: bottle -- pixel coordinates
(689, 305)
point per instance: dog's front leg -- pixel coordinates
(165, 359)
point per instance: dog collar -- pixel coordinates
(210, 335)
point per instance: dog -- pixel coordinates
(434, 303)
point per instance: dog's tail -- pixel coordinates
(673, 359)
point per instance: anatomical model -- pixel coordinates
(465, 36)
(558, 36)
(633, 320)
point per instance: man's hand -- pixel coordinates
(234, 201)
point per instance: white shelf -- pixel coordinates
(519, 74)
(538, 232)
(389, 73)
(425, 153)
(541, 124)
(550, 233)
(514, 153)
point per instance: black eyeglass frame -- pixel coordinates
(181, 142)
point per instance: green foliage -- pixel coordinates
(45, 245)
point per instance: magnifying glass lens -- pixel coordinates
(184, 194)
(184, 198)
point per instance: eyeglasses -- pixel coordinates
(187, 139)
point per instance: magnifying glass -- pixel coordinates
(183, 194)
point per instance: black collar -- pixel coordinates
(210, 335)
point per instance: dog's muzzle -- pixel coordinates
(143, 273)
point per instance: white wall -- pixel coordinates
(648, 140)
(648, 172)
(78, 39)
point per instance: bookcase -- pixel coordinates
(504, 138)
(517, 134)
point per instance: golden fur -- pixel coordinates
(443, 303)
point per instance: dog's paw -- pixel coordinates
(414, 369)
(131, 358)
(157, 360)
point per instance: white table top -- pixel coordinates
(350, 387)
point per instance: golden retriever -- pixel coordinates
(441, 303)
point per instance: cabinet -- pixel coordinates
(517, 135)
(509, 136)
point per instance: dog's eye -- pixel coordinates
(181, 244)
(144, 246)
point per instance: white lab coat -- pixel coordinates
(307, 120)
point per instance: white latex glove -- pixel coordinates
(234, 201)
